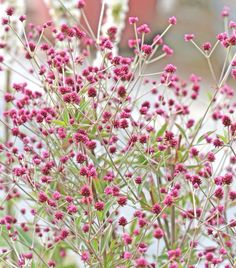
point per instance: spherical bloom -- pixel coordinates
(144, 28)
(121, 91)
(42, 197)
(194, 151)
(127, 255)
(56, 195)
(172, 20)
(225, 12)
(122, 200)
(59, 215)
(168, 201)
(85, 191)
(233, 73)
(141, 262)
(99, 205)
(92, 92)
(228, 178)
(226, 121)
(51, 263)
(81, 4)
(127, 239)
(166, 49)
(71, 209)
(170, 68)
(133, 20)
(85, 256)
(10, 11)
(156, 208)
(147, 49)
(188, 37)
(158, 233)
(64, 233)
(211, 157)
(206, 46)
(219, 192)
(122, 221)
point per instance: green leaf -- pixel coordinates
(141, 159)
(67, 266)
(162, 130)
(107, 207)
(202, 137)
(223, 138)
(98, 186)
(59, 123)
(182, 131)
(66, 116)
(106, 238)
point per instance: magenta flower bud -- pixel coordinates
(172, 20)
(133, 20)
(188, 37)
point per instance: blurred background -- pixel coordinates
(201, 17)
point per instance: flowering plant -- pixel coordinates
(106, 162)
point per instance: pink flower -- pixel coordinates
(158, 233)
(133, 20)
(225, 12)
(127, 255)
(233, 73)
(144, 28)
(168, 201)
(147, 49)
(85, 256)
(206, 46)
(188, 37)
(81, 4)
(172, 20)
(170, 68)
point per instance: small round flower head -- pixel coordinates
(233, 73)
(232, 24)
(168, 201)
(99, 205)
(170, 68)
(51, 263)
(85, 191)
(92, 92)
(225, 12)
(188, 37)
(147, 49)
(22, 18)
(172, 20)
(42, 197)
(127, 255)
(123, 221)
(10, 11)
(141, 262)
(156, 208)
(158, 233)
(71, 209)
(133, 20)
(144, 28)
(226, 121)
(81, 4)
(219, 193)
(206, 46)
(85, 256)
(169, 51)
